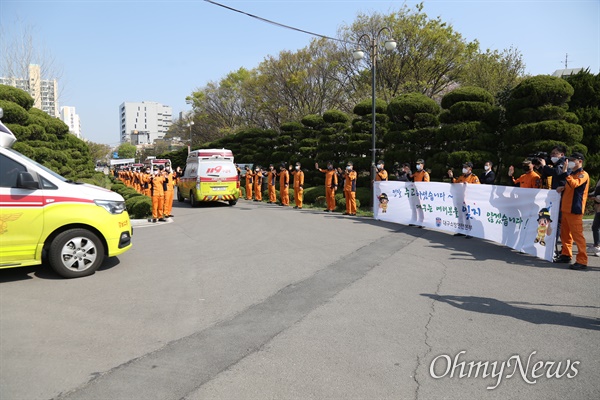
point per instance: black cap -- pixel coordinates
(161, 167)
(420, 161)
(576, 156)
(380, 162)
(468, 164)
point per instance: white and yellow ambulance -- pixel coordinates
(209, 175)
(45, 217)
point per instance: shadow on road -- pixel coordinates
(44, 271)
(537, 316)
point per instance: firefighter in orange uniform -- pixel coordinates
(258, 180)
(169, 193)
(420, 175)
(249, 182)
(145, 181)
(284, 185)
(157, 190)
(350, 189)
(380, 175)
(271, 179)
(298, 185)
(331, 182)
(239, 174)
(574, 197)
(467, 177)
(530, 179)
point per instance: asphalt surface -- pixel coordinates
(262, 302)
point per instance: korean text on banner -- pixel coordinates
(523, 219)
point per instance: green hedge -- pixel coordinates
(139, 207)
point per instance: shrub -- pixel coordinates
(139, 207)
(311, 194)
(320, 201)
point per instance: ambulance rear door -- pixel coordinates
(218, 178)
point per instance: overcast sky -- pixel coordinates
(116, 51)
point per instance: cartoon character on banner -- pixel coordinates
(383, 202)
(544, 229)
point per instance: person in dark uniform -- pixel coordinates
(488, 176)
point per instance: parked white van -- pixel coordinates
(45, 217)
(209, 175)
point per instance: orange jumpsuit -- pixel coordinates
(298, 187)
(170, 182)
(572, 207)
(258, 178)
(350, 192)
(379, 176)
(249, 180)
(158, 196)
(529, 179)
(471, 178)
(284, 187)
(331, 182)
(271, 179)
(145, 184)
(423, 176)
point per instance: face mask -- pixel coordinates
(349, 167)
(465, 171)
(271, 168)
(379, 166)
(147, 172)
(297, 168)
(554, 159)
(486, 167)
(330, 167)
(526, 168)
(257, 169)
(419, 167)
(571, 164)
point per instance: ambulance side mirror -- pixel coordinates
(25, 181)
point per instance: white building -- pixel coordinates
(43, 91)
(71, 118)
(144, 122)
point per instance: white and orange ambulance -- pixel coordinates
(47, 218)
(209, 175)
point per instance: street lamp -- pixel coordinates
(359, 54)
(189, 124)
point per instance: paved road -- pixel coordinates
(261, 302)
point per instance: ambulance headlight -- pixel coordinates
(113, 207)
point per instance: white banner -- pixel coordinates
(523, 219)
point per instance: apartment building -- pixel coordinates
(70, 117)
(43, 91)
(144, 122)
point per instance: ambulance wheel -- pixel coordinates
(180, 196)
(193, 201)
(76, 253)
(232, 202)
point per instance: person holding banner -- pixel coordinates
(467, 177)
(487, 177)
(381, 174)
(530, 179)
(420, 175)
(574, 197)
(595, 248)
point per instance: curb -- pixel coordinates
(141, 223)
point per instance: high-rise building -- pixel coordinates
(71, 118)
(43, 91)
(144, 122)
